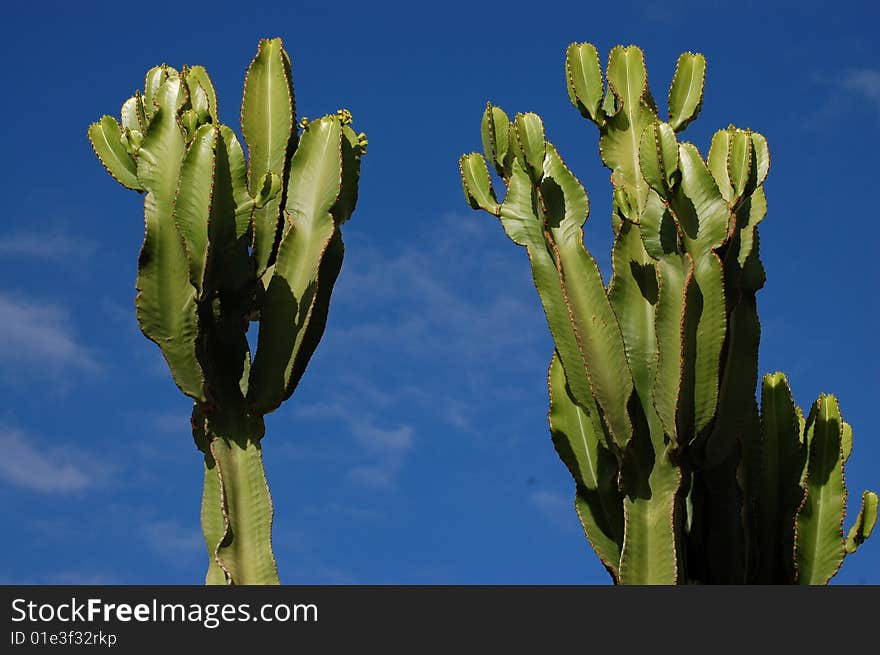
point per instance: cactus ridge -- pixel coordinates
(230, 239)
(654, 376)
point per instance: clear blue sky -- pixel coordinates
(416, 449)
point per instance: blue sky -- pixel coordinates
(416, 448)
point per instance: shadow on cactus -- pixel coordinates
(679, 477)
(233, 239)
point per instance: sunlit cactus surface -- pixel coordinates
(234, 235)
(680, 476)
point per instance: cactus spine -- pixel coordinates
(679, 476)
(232, 240)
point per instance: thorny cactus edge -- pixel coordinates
(233, 238)
(680, 478)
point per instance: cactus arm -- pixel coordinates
(268, 118)
(192, 206)
(530, 144)
(780, 493)
(579, 440)
(354, 146)
(230, 280)
(710, 334)
(105, 137)
(316, 180)
(633, 294)
(741, 164)
(651, 551)
(229, 225)
(658, 157)
(496, 135)
(196, 77)
(619, 140)
(717, 163)
(130, 114)
(700, 199)
(864, 524)
(762, 157)
(166, 302)
(748, 216)
(820, 546)
(705, 219)
(686, 91)
(657, 225)
(651, 545)
(583, 76)
(331, 264)
(153, 81)
(519, 218)
(477, 184)
(675, 275)
(604, 356)
(240, 194)
(651, 480)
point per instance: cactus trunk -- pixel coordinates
(236, 505)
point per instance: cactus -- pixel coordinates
(230, 241)
(679, 476)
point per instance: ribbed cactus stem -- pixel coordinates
(236, 508)
(230, 239)
(652, 385)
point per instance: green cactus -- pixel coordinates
(230, 240)
(679, 477)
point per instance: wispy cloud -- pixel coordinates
(45, 245)
(864, 82)
(362, 427)
(65, 577)
(377, 477)
(556, 508)
(36, 467)
(172, 539)
(843, 93)
(551, 504)
(348, 511)
(94, 578)
(423, 336)
(385, 447)
(39, 335)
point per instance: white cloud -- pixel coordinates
(550, 503)
(384, 446)
(68, 577)
(424, 335)
(44, 245)
(39, 336)
(864, 82)
(48, 470)
(448, 316)
(173, 540)
(79, 578)
(395, 439)
(859, 84)
(373, 476)
(348, 511)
